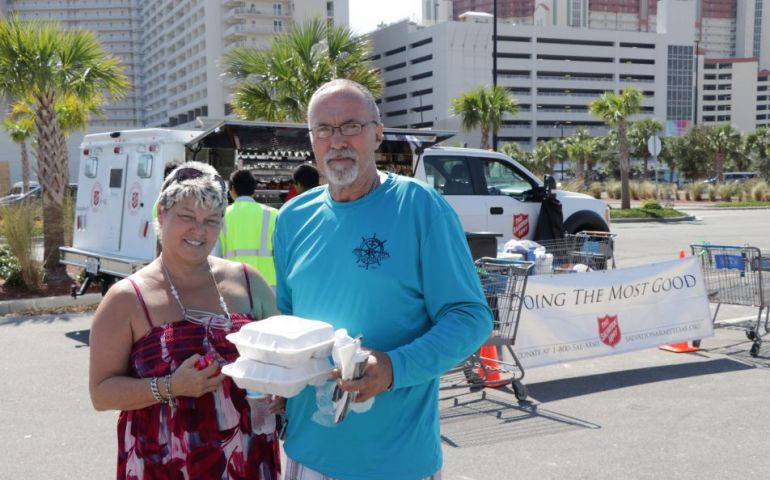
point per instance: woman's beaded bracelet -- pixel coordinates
(171, 399)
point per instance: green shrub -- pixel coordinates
(728, 191)
(650, 204)
(633, 187)
(19, 230)
(696, 191)
(574, 185)
(712, 193)
(759, 192)
(10, 270)
(613, 189)
(595, 190)
(646, 190)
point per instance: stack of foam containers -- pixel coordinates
(280, 355)
(543, 262)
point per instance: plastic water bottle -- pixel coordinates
(262, 421)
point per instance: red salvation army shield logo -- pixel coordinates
(609, 330)
(520, 225)
(96, 196)
(134, 199)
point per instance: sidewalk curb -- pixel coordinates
(686, 218)
(11, 306)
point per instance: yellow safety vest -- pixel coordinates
(247, 236)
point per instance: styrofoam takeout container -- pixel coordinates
(276, 380)
(284, 340)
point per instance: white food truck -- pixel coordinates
(121, 173)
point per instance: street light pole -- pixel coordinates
(494, 62)
(697, 61)
(561, 142)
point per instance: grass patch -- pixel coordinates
(19, 229)
(36, 210)
(744, 203)
(645, 213)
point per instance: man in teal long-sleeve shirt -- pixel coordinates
(383, 256)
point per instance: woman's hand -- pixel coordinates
(277, 404)
(188, 381)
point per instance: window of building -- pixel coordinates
(422, 42)
(277, 9)
(424, 58)
(757, 26)
(397, 113)
(420, 76)
(278, 25)
(679, 83)
(395, 98)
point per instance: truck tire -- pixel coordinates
(585, 220)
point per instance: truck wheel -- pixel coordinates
(107, 281)
(585, 221)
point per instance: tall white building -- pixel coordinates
(116, 24)
(171, 51)
(554, 72)
(723, 28)
(186, 39)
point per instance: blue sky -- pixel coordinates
(365, 15)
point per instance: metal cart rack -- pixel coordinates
(503, 282)
(738, 276)
(589, 248)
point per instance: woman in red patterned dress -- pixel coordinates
(153, 335)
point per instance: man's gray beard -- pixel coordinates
(345, 176)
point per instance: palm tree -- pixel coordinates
(723, 142)
(548, 152)
(276, 84)
(73, 114)
(530, 162)
(484, 108)
(43, 62)
(758, 142)
(580, 148)
(614, 110)
(20, 128)
(606, 153)
(691, 152)
(638, 135)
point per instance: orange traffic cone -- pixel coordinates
(488, 354)
(682, 347)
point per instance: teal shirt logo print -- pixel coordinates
(371, 252)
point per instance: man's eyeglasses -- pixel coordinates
(190, 173)
(346, 129)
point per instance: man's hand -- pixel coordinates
(377, 378)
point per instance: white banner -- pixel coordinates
(576, 316)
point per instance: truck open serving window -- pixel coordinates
(92, 164)
(144, 166)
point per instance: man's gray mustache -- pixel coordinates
(340, 154)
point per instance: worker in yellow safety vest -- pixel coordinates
(247, 229)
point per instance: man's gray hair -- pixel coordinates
(344, 83)
(206, 189)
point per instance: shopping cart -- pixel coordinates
(503, 282)
(738, 276)
(590, 248)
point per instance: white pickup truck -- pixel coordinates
(120, 175)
